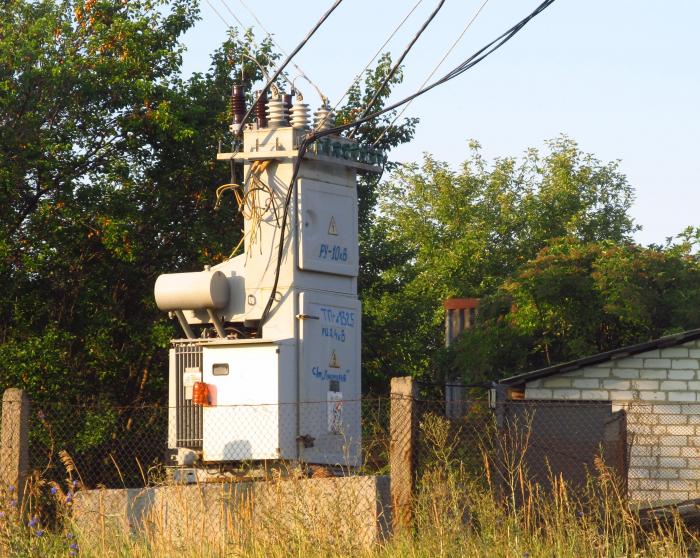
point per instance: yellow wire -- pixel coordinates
(247, 201)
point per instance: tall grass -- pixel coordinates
(486, 507)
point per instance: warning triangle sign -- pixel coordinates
(331, 227)
(334, 360)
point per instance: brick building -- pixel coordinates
(657, 385)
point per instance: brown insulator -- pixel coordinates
(287, 98)
(260, 108)
(238, 103)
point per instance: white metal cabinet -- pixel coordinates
(252, 394)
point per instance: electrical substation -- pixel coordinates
(269, 366)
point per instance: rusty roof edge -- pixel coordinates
(622, 352)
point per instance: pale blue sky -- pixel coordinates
(621, 77)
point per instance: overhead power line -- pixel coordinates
(222, 18)
(233, 14)
(435, 69)
(279, 47)
(379, 50)
(398, 63)
(243, 26)
(458, 70)
(284, 64)
(248, 54)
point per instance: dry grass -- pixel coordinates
(487, 511)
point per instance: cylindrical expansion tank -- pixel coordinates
(191, 291)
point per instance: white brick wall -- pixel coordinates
(660, 390)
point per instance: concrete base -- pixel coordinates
(230, 515)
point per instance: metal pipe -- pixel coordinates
(184, 325)
(217, 323)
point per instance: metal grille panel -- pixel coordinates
(189, 416)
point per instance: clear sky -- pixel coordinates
(621, 77)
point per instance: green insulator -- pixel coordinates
(362, 156)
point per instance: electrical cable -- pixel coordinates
(458, 70)
(398, 63)
(254, 202)
(467, 64)
(226, 23)
(247, 53)
(379, 50)
(435, 69)
(233, 14)
(279, 47)
(279, 70)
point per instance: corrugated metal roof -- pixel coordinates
(666, 341)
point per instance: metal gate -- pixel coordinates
(568, 439)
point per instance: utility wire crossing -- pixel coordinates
(458, 70)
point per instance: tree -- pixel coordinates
(576, 299)
(462, 233)
(107, 178)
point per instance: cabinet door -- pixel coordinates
(327, 228)
(329, 378)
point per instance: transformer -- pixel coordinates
(282, 384)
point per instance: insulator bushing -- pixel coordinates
(287, 98)
(323, 119)
(261, 109)
(276, 113)
(238, 107)
(300, 116)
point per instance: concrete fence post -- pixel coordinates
(401, 451)
(14, 440)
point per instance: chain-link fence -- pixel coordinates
(389, 456)
(654, 447)
(128, 447)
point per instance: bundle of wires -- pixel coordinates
(458, 70)
(254, 199)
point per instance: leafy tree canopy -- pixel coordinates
(579, 298)
(108, 175)
(464, 232)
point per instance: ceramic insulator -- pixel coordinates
(238, 107)
(276, 113)
(287, 106)
(261, 108)
(300, 115)
(323, 119)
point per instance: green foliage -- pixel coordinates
(107, 178)
(462, 233)
(580, 298)
(108, 174)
